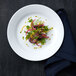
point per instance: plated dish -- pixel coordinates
(35, 32)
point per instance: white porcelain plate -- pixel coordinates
(19, 45)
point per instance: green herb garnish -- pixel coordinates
(27, 27)
(30, 20)
(43, 41)
(36, 37)
(28, 36)
(23, 37)
(46, 28)
(51, 28)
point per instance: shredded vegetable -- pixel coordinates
(22, 28)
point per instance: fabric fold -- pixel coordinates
(67, 52)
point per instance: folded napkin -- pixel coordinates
(66, 54)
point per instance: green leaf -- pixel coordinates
(51, 28)
(28, 36)
(29, 33)
(30, 20)
(36, 37)
(43, 41)
(27, 27)
(23, 37)
(46, 28)
(34, 31)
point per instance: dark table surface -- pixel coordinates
(10, 63)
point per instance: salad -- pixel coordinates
(36, 32)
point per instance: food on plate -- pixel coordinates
(36, 32)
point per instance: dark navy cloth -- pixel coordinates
(66, 54)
